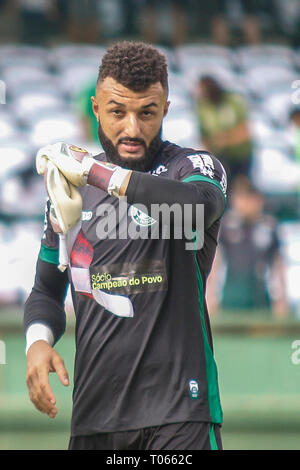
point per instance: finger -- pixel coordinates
(40, 392)
(52, 413)
(59, 368)
(44, 387)
(41, 163)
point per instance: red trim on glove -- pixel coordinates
(100, 174)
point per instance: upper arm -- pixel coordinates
(45, 303)
(201, 166)
(206, 172)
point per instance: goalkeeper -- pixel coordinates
(145, 375)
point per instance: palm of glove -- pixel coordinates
(61, 166)
(65, 200)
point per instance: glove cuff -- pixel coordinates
(106, 176)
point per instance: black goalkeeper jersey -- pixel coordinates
(144, 353)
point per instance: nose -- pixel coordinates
(132, 128)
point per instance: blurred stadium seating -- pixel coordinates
(259, 384)
(43, 82)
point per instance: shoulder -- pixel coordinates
(191, 164)
(193, 158)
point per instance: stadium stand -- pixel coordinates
(43, 82)
(259, 383)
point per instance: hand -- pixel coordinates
(80, 168)
(42, 359)
(68, 159)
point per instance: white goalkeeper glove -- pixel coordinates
(80, 168)
(65, 198)
(66, 207)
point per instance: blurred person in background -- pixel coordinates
(37, 17)
(248, 258)
(294, 118)
(287, 17)
(223, 125)
(178, 15)
(294, 128)
(9, 27)
(82, 20)
(220, 24)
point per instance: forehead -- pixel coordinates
(110, 89)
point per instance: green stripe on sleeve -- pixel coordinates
(204, 178)
(50, 255)
(211, 368)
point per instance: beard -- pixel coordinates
(143, 163)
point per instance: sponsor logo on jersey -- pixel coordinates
(158, 170)
(140, 218)
(194, 389)
(86, 215)
(223, 183)
(204, 163)
(129, 278)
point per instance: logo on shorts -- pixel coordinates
(194, 389)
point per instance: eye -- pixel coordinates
(117, 112)
(147, 113)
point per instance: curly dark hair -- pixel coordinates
(135, 65)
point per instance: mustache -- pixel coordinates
(134, 140)
(140, 164)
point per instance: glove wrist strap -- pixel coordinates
(106, 176)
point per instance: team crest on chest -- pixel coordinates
(158, 170)
(140, 218)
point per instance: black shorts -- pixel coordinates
(177, 436)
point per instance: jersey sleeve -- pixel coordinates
(49, 250)
(45, 303)
(202, 166)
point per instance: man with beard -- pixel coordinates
(145, 375)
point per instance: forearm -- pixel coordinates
(138, 187)
(42, 309)
(45, 304)
(150, 190)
